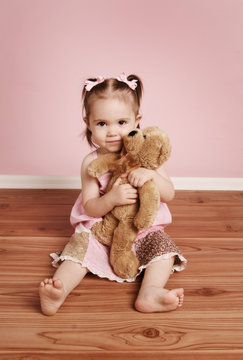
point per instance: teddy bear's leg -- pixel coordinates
(103, 230)
(124, 262)
(77, 246)
(149, 205)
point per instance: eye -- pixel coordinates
(101, 123)
(122, 122)
(144, 136)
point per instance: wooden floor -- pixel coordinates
(98, 320)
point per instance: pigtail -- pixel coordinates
(85, 96)
(139, 88)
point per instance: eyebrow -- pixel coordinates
(105, 120)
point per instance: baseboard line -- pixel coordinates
(206, 183)
(73, 182)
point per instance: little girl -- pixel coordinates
(111, 111)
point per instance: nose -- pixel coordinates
(132, 133)
(111, 131)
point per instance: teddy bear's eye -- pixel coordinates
(144, 136)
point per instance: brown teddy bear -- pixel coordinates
(148, 148)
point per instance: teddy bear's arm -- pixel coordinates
(149, 198)
(102, 164)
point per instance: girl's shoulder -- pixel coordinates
(88, 158)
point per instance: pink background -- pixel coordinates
(188, 53)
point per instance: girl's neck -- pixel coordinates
(101, 151)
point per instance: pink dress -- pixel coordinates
(151, 245)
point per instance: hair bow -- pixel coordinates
(90, 84)
(131, 83)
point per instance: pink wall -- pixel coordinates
(188, 53)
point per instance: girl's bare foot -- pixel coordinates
(52, 295)
(154, 299)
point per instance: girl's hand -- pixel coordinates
(123, 194)
(140, 176)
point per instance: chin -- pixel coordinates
(114, 148)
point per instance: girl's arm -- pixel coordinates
(96, 205)
(141, 175)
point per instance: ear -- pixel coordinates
(85, 119)
(138, 118)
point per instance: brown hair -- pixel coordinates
(108, 88)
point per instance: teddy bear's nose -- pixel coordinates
(132, 133)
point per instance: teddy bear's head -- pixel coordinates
(149, 147)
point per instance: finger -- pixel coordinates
(141, 183)
(130, 177)
(131, 181)
(127, 201)
(130, 190)
(134, 182)
(124, 175)
(133, 196)
(130, 187)
(133, 191)
(117, 182)
(131, 201)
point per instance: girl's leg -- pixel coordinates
(54, 291)
(152, 296)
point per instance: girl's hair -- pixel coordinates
(111, 87)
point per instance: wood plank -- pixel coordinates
(215, 198)
(98, 320)
(46, 213)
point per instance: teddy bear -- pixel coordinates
(148, 148)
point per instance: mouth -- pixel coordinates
(113, 141)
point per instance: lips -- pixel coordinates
(113, 141)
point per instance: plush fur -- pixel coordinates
(148, 148)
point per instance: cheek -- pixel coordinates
(125, 132)
(99, 133)
(129, 128)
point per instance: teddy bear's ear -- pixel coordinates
(165, 150)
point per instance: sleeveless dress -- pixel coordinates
(150, 245)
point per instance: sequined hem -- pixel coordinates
(59, 259)
(156, 246)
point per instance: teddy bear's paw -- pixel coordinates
(126, 265)
(142, 223)
(92, 171)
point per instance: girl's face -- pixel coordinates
(110, 119)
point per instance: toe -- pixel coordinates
(57, 284)
(180, 292)
(181, 298)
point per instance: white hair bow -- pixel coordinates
(90, 84)
(131, 83)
